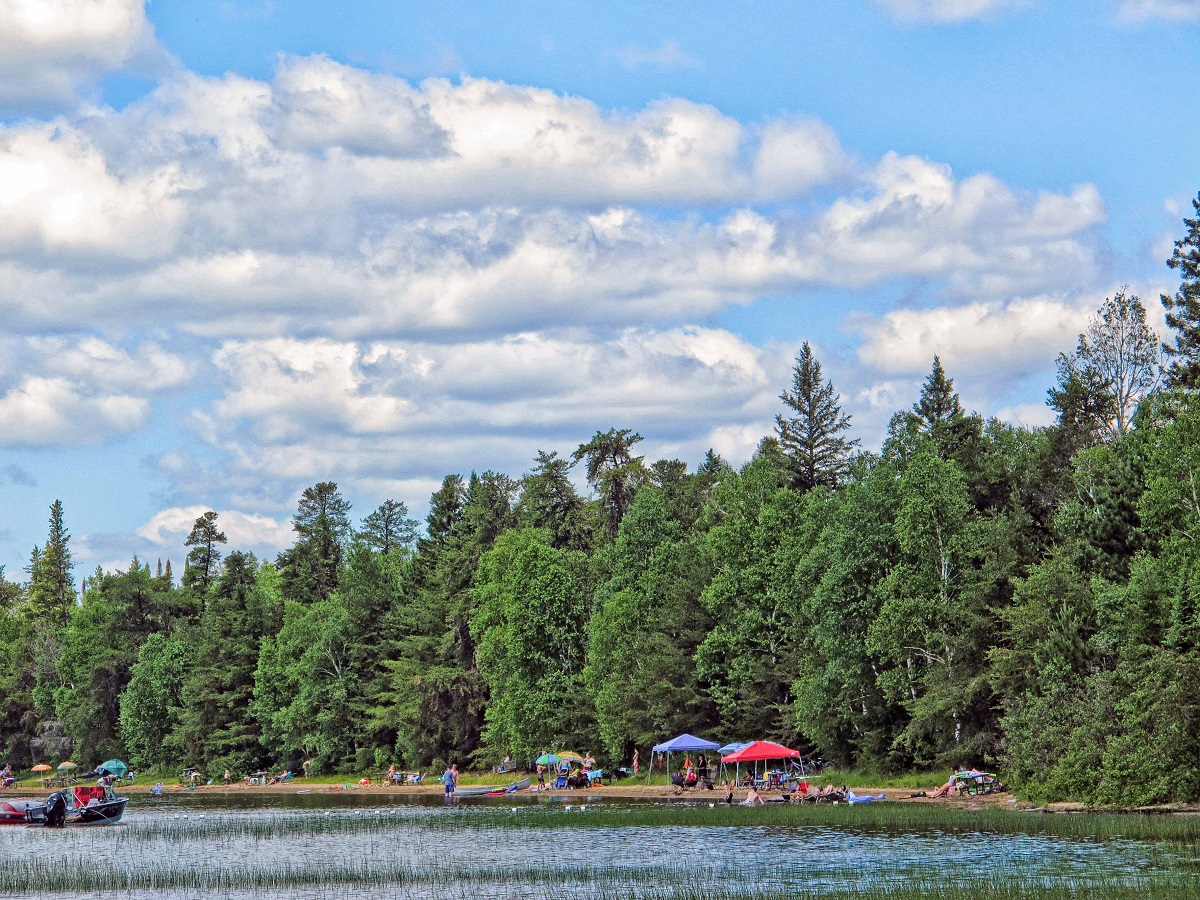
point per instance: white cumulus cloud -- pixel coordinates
(48, 48)
(79, 389)
(39, 411)
(170, 527)
(406, 410)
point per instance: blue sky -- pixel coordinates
(245, 246)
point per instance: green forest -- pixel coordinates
(974, 593)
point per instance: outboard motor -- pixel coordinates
(56, 810)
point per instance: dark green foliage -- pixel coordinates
(218, 724)
(153, 700)
(613, 471)
(51, 593)
(389, 529)
(549, 500)
(746, 659)
(530, 628)
(204, 559)
(312, 566)
(647, 626)
(436, 697)
(812, 440)
(1183, 309)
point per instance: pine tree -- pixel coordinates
(939, 405)
(549, 500)
(613, 471)
(389, 528)
(322, 521)
(1183, 310)
(203, 561)
(51, 587)
(939, 414)
(811, 440)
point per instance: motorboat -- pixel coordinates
(80, 805)
(491, 790)
(13, 812)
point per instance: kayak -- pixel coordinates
(491, 790)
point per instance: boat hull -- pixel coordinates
(491, 790)
(59, 810)
(14, 812)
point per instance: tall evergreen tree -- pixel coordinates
(437, 699)
(938, 415)
(1183, 309)
(938, 407)
(812, 440)
(389, 529)
(204, 559)
(549, 500)
(217, 721)
(613, 471)
(51, 586)
(322, 523)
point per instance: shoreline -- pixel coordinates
(625, 791)
(621, 791)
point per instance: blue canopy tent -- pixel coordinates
(682, 744)
(731, 748)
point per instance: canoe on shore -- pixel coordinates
(491, 790)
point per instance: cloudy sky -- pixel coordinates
(246, 245)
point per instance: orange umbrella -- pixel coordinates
(67, 765)
(41, 767)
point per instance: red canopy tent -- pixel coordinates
(759, 751)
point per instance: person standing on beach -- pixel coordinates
(636, 764)
(450, 780)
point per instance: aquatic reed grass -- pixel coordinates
(867, 818)
(655, 882)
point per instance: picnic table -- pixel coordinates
(974, 783)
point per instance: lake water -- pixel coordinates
(269, 845)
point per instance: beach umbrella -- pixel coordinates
(41, 767)
(546, 759)
(567, 754)
(114, 767)
(67, 765)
